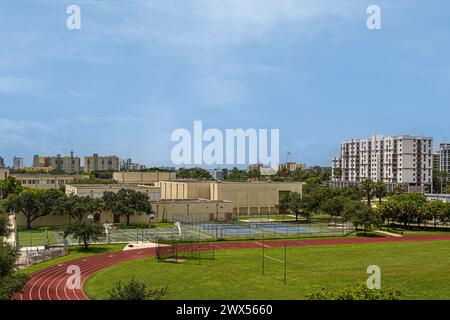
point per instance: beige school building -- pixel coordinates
(248, 197)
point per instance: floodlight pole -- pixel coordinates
(285, 262)
(263, 256)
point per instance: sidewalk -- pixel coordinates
(388, 233)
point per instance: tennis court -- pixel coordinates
(194, 228)
(230, 231)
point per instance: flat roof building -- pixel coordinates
(101, 163)
(147, 177)
(45, 181)
(248, 197)
(67, 164)
(97, 190)
(18, 163)
(396, 159)
(4, 173)
(444, 157)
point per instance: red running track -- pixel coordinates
(51, 283)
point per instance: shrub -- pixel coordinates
(357, 292)
(136, 290)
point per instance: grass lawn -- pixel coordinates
(76, 252)
(419, 270)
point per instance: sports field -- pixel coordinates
(418, 269)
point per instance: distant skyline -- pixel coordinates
(137, 70)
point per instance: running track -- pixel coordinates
(50, 283)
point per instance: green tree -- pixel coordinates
(380, 190)
(85, 231)
(254, 174)
(293, 202)
(34, 204)
(337, 172)
(127, 203)
(399, 189)
(368, 186)
(79, 207)
(135, 290)
(361, 215)
(194, 173)
(27, 203)
(440, 181)
(10, 186)
(410, 207)
(389, 211)
(10, 282)
(436, 211)
(335, 206)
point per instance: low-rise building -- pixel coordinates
(291, 166)
(45, 181)
(216, 174)
(147, 177)
(438, 197)
(4, 173)
(248, 197)
(97, 190)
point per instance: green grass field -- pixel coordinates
(418, 269)
(76, 252)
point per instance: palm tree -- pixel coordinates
(368, 186)
(337, 173)
(399, 189)
(380, 190)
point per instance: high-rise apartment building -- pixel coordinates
(101, 163)
(67, 164)
(437, 161)
(18, 163)
(397, 159)
(128, 164)
(444, 158)
(2, 162)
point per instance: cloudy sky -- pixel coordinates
(137, 70)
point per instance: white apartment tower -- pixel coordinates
(397, 159)
(444, 157)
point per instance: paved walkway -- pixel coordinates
(52, 283)
(390, 234)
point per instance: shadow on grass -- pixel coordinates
(93, 249)
(368, 234)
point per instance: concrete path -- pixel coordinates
(389, 233)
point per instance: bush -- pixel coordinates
(357, 292)
(135, 290)
(10, 282)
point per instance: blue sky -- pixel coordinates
(137, 70)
